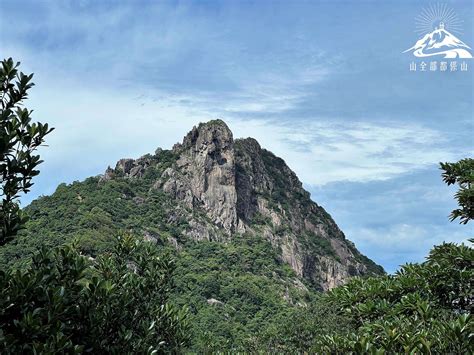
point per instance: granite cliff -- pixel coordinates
(225, 188)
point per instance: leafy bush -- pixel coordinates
(118, 303)
(461, 173)
(19, 139)
(423, 308)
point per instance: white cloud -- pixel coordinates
(324, 151)
(96, 127)
(400, 243)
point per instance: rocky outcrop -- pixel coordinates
(206, 169)
(214, 302)
(108, 175)
(224, 187)
(125, 165)
(129, 168)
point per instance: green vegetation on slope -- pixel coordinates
(232, 289)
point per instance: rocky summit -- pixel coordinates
(224, 188)
(248, 246)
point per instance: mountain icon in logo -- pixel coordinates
(440, 42)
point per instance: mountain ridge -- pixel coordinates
(249, 245)
(209, 188)
(243, 188)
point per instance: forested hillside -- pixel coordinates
(241, 264)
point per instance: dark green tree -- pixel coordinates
(19, 139)
(68, 303)
(422, 309)
(461, 173)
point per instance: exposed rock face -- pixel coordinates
(214, 302)
(206, 170)
(108, 175)
(203, 177)
(238, 187)
(130, 168)
(125, 165)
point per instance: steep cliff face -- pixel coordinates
(309, 239)
(225, 188)
(204, 175)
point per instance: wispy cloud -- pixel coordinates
(400, 243)
(327, 150)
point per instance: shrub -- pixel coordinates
(117, 303)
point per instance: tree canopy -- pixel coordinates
(461, 173)
(65, 302)
(19, 139)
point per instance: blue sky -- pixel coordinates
(324, 85)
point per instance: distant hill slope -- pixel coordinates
(208, 188)
(249, 241)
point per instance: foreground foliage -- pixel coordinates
(19, 139)
(461, 173)
(423, 308)
(118, 303)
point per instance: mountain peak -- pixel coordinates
(226, 189)
(243, 188)
(216, 123)
(215, 131)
